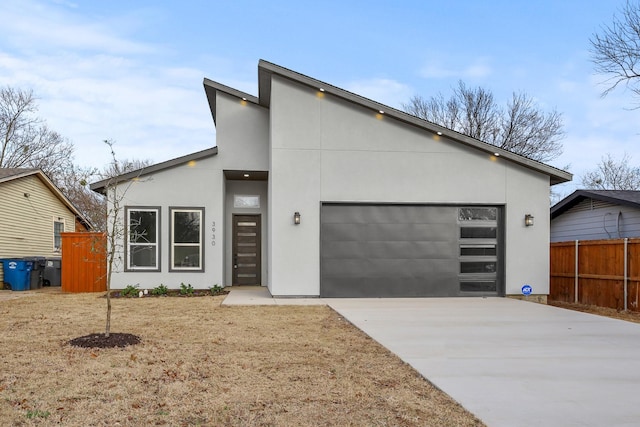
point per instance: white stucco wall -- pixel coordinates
(242, 134)
(324, 149)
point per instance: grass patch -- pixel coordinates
(629, 316)
(203, 364)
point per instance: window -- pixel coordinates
(186, 239)
(58, 227)
(245, 201)
(143, 226)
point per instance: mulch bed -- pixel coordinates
(172, 293)
(102, 341)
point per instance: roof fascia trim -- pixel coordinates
(52, 187)
(211, 88)
(100, 186)
(19, 175)
(267, 69)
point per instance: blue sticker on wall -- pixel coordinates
(526, 290)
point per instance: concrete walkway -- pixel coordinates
(511, 363)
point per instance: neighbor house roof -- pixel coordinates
(10, 174)
(101, 185)
(618, 197)
(266, 70)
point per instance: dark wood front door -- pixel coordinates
(246, 250)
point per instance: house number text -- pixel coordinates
(213, 233)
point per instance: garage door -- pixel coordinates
(410, 250)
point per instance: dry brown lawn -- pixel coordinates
(200, 364)
(629, 316)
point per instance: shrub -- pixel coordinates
(130, 291)
(160, 290)
(186, 289)
(216, 289)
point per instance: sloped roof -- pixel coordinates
(618, 197)
(7, 174)
(100, 186)
(10, 174)
(267, 69)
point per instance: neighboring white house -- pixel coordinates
(596, 214)
(315, 191)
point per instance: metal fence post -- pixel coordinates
(626, 274)
(576, 276)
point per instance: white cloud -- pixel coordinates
(476, 68)
(385, 91)
(94, 82)
(33, 26)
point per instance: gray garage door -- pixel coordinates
(410, 250)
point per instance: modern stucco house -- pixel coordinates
(595, 215)
(312, 190)
(34, 213)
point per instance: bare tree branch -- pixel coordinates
(616, 52)
(520, 127)
(612, 174)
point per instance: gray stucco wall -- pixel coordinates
(325, 149)
(199, 184)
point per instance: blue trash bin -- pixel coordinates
(17, 273)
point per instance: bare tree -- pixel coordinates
(120, 167)
(74, 184)
(612, 174)
(616, 51)
(521, 127)
(115, 191)
(26, 141)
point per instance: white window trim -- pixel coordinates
(58, 249)
(128, 244)
(173, 244)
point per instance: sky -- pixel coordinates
(132, 71)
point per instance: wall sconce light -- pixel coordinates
(528, 220)
(296, 218)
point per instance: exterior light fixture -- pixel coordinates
(246, 175)
(496, 154)
(381, 111)
(321, 89)
(296, 218)
(528, 220)
(439, 133)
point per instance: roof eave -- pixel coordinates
(211, 88)
(267, 69)
(579, 195)
(55, 190)
(100, 186)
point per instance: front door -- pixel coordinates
(246, 250)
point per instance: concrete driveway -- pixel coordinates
(513, 363)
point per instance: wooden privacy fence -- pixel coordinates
(84, 262)
(604, 273)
